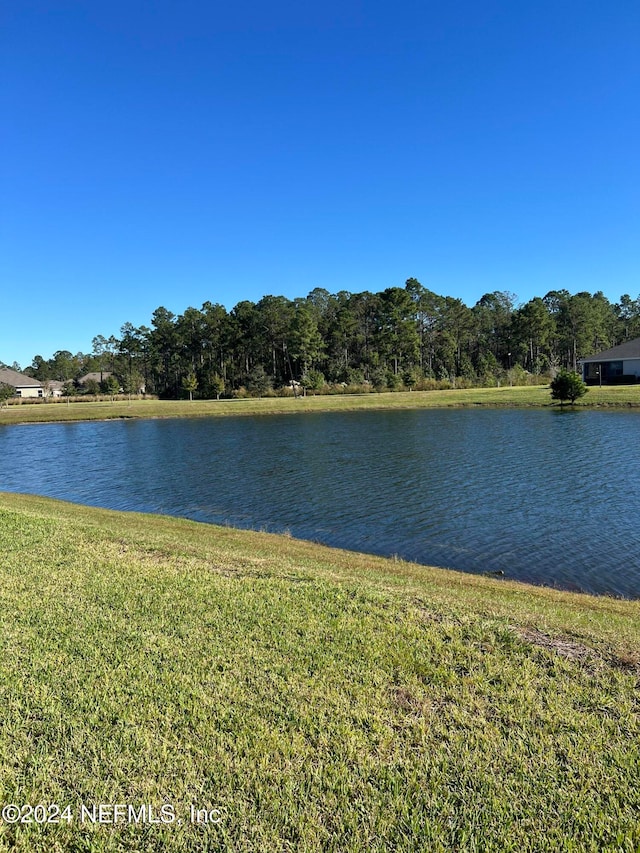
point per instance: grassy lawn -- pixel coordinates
(321, 700)
(627, 396)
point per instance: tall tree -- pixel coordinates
(100, 345)
(397, 332)
(40, 369)
(427, 312)
(628, 318)
(587, 322)
(243, 327)
(533, 331)
(63, 366)
(130, 348)
(274, 315)
(454, 339)
(342, 338)
(192, 338)
(216, 339)
(306, 343)
(365, 308)
(164, 352)
(493, 315)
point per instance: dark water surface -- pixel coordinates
(544, 496)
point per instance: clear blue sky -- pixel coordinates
(169, 152)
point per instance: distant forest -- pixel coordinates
(403, 337)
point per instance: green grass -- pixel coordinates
(324, 700)
(539, 396)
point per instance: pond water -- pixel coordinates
(544, 496)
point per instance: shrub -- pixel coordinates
(567, 385)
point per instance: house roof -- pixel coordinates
(18, 380)
(629, 349)
(95, 376)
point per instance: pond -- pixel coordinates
(543, 496)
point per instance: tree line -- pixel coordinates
(401, 337)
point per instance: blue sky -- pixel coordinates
(169, 152)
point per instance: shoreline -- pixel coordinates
(390, 561)
(392, 565)
(606, 398)
(103, 517)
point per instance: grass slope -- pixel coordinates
(323, 700)
(622, 396)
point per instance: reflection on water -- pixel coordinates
(543, 496)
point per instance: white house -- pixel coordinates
(24, 386)
(618, 365)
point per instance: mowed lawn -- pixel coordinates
(308, 699)
(537, 396)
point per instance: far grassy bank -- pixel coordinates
(323, 700)
(532, 396)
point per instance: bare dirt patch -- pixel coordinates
(578, 652)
